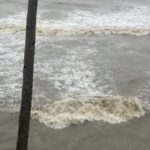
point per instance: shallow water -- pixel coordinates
(84, 48)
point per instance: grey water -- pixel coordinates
(77, 63)
(83, 48)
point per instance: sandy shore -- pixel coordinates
(133, 135)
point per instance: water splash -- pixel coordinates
(77, 110)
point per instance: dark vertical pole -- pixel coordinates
(24, 119)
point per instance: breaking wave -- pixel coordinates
(77, 110)
(131, 19)
(76, 30)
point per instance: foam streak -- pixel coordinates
(75, 30)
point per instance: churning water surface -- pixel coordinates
(86, 52)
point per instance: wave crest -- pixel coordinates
(75, 30)
(77, 110)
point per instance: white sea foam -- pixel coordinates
(133, 20)
(11, 57)
(66, 72)
(63, 30)
(77, 110)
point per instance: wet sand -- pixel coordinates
(132, 135)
